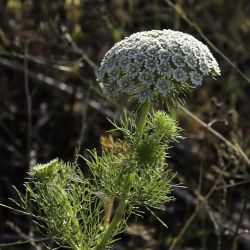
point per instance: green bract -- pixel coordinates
(150, 153)
(48, 170)
(165, 126)
(156, 63)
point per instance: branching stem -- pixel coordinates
(73, 245)
(119, 212)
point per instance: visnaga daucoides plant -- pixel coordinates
(80, 212)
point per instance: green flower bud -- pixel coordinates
(48, 170)
(150, 153)
(165, 126)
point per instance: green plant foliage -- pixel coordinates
(63, 205)
(109, 172)
(150, 153)
(151, 187)
(157, 65)
(164, 126)
(50, 171)
(140, 163)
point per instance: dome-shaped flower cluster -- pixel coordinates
(152, 63)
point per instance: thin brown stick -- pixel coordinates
(84, 123)
(28, 102)
(184, 229)
(79, 51)
(233, 185)
(242, 213)
(38, 60)
(28, 238)
(177, 17)
(61, 86)
(235, 147)
(202, 202)
(201, 170)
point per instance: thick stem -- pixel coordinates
(111, 228)
(142, 119)
(73, 245)
(120, 210)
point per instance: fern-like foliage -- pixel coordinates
(63, 205)
(139, 164)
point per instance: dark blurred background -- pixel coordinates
(50, 102)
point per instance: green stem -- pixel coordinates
(142, 119)
(73, 245)
(120, 210)
(111, 228)
(75, 223)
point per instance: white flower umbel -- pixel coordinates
(155, 63)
